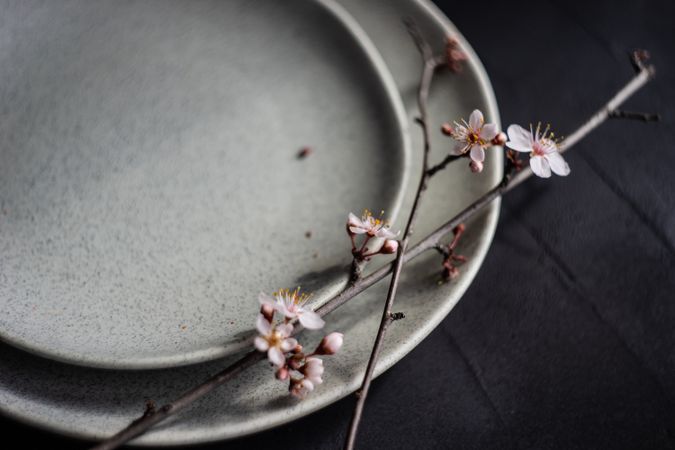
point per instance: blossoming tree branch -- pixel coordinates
(532, 150)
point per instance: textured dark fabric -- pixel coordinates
(566, 339)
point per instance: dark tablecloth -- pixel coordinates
(566, 338)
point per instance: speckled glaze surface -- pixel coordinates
(94, 403)
(150, 184)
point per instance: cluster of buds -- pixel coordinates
(454, 55)
(302, 371)
(451, 261)
(474, 137)
(377, 236)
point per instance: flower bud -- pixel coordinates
(390, 246)
(447, 129)
(300, 388)
(267, 311)
(500, 139)
(453, 272)
(282, 374)
(330, 344)
(476, 166)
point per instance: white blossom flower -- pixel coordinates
(300, 388)
(543, 150)
(313, 369)
(330, 344)
(474, 137)
(291, 304)
(369, 225)
(275, 340)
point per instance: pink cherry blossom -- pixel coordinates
(275, 340)
(543, 150)
(367, 224)
(474, 137)
(291, 304)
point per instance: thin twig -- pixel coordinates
(429, 67)
(431, 171)
(634, 115)
(149, 419)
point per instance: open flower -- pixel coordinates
(474, 137)
(367, 224)
(543, 150)
(275, 340)
(313, 369)
(291, 304)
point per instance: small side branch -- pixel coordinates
(443, 164)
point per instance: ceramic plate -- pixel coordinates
(150, 183)
(94, 403)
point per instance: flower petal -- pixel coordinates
(357, 230)
(288, 344)
(285, 329)
(460, 148)
(276, 357)
(311, 320)
(558, 164)
(476, 119)
(489, 131)
(540, 166)
(354, 220)
(477, 153)
(287, 312)
(265, 299)
(316, 380)
(386, 233)
(261, 343)
(263, 325)
(520, 139)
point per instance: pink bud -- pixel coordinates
(500, 139)
(330, 344)
(390, 246)
(267, 311)
(282, 374)
(476, 166)
(446, 129)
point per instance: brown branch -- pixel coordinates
(150, 418)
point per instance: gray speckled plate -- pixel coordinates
(94, 403)
(150, 185)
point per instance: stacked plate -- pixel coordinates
(150, 187)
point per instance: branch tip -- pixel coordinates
(635, 115)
